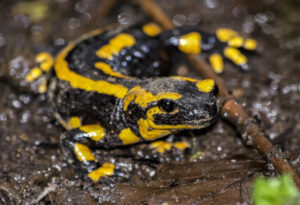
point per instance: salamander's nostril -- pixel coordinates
(211, 108)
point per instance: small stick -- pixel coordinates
(231, 110)
(207, 72)
(10, 192)
(44, 193)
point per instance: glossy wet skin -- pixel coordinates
(105, 104)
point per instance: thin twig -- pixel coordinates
(44, 193)
(232, 111)
(10, 192)
(103, 10)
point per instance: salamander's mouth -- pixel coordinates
(200, 123)
(186, 125)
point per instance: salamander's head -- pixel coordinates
(167, 105)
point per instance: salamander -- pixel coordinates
(111, 87)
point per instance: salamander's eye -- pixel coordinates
(167, 105)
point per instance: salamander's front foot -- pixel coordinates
(75, 144)
(107, 173)
(38, 74)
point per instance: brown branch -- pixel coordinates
(103, 10)
(232, 111)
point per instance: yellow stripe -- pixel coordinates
(78, 81)
(96, 132)
(107, 169)
(115, 45)
(128, 137)
(184, 78)
(83, 153)
(105, 68)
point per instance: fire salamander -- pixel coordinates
(106, 92)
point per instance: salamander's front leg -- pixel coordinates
(75, 144)
(38, 74)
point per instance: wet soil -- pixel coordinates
(217, 169)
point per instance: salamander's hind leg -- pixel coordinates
(225, 43)
(233, 43)
(76, 142)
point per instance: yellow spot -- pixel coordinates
(115, 45)
(83, 153)
(33, 74)
(105, 68)
(225, 34)
(107, 169)
(152, 29)
(235, 55)
(216, 62)
(128, 137)
(190, 43)
(143, 97)
(182, 145)
(96, 132)
(43, 86)
(236, 42)
(205, 85)
(184, 78)
(161, 146)
(250, 44)
(78, 81)
(74, 122)
(46, 61)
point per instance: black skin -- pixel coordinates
(146, 61)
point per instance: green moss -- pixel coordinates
(275, 191)
(35, 10)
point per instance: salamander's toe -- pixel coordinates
(216, 61)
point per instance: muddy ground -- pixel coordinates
(217, 169)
